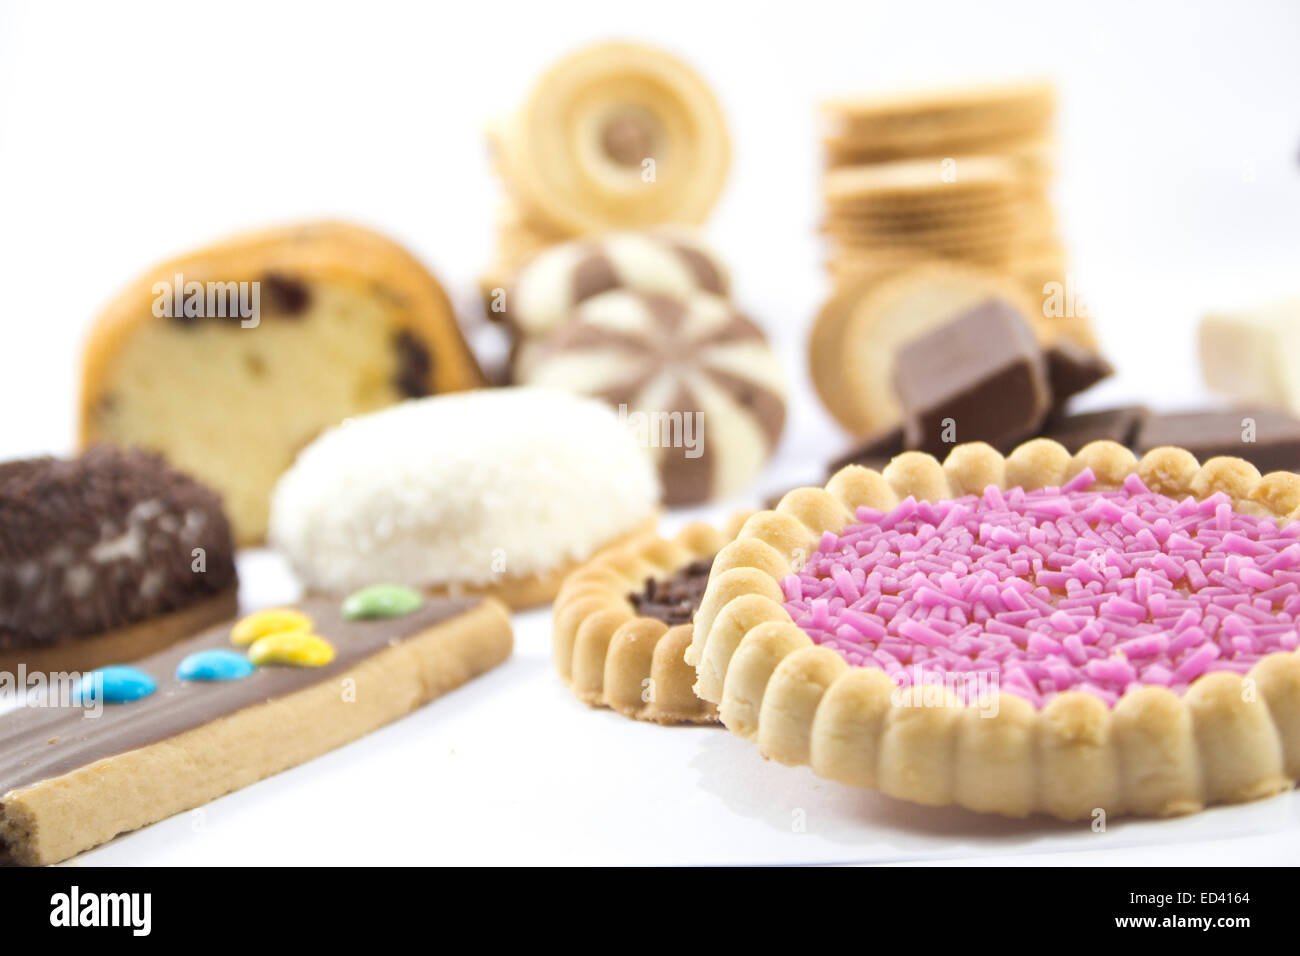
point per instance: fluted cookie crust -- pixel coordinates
(612, 657)
(1228, 739)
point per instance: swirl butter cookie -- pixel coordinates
(105, 558)
(617, 135)
(498, 491)
(623, 622)
(231, 359)
(696, 381)
(1041, 633)
(554, 282)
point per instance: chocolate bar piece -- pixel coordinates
(1111, 424)
(1268, 438)
(1072, 369)
(873, 451)
(980, 377)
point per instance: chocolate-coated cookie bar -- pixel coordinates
(124, 747)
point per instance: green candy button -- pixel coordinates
(381, 600)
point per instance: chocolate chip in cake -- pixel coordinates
(413, 365)
(675, 599)
(284, 295)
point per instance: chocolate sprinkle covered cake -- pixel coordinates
(107, 557)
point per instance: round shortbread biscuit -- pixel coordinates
(857, 149)
(938, 112)
(617, 135)
(969, 177)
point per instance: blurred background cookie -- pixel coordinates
(551, 285)
(1253, 354)
(695, 380)
(105, 558)
(497, 491)
(614, 136)
(230, 359)
(960, 175)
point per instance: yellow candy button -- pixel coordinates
(276, 620)
(297, 648)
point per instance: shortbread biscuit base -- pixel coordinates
(535, 590)
(1228, 739)
(612, 657)
(123, 644)
(58, 818)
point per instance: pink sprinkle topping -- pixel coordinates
(1053, 590)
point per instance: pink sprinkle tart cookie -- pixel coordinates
(1041, 633)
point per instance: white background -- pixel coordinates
(129, 132)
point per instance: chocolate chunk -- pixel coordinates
(675, 599)
(284, 295)
(1267, 438)
(1111, 424)
(1072, 369)
(871, 451)
(979, 377)
(413, 365)
(102, 541)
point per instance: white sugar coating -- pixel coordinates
(472, 488)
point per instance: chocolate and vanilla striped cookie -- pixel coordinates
(553, 282)
(697, 382)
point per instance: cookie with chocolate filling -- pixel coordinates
(623, 621)
(106, 557)
(230, 359)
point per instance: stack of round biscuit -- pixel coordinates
(614, 136)
(958, 176)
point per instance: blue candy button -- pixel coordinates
(216, 664)
(119, 685)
